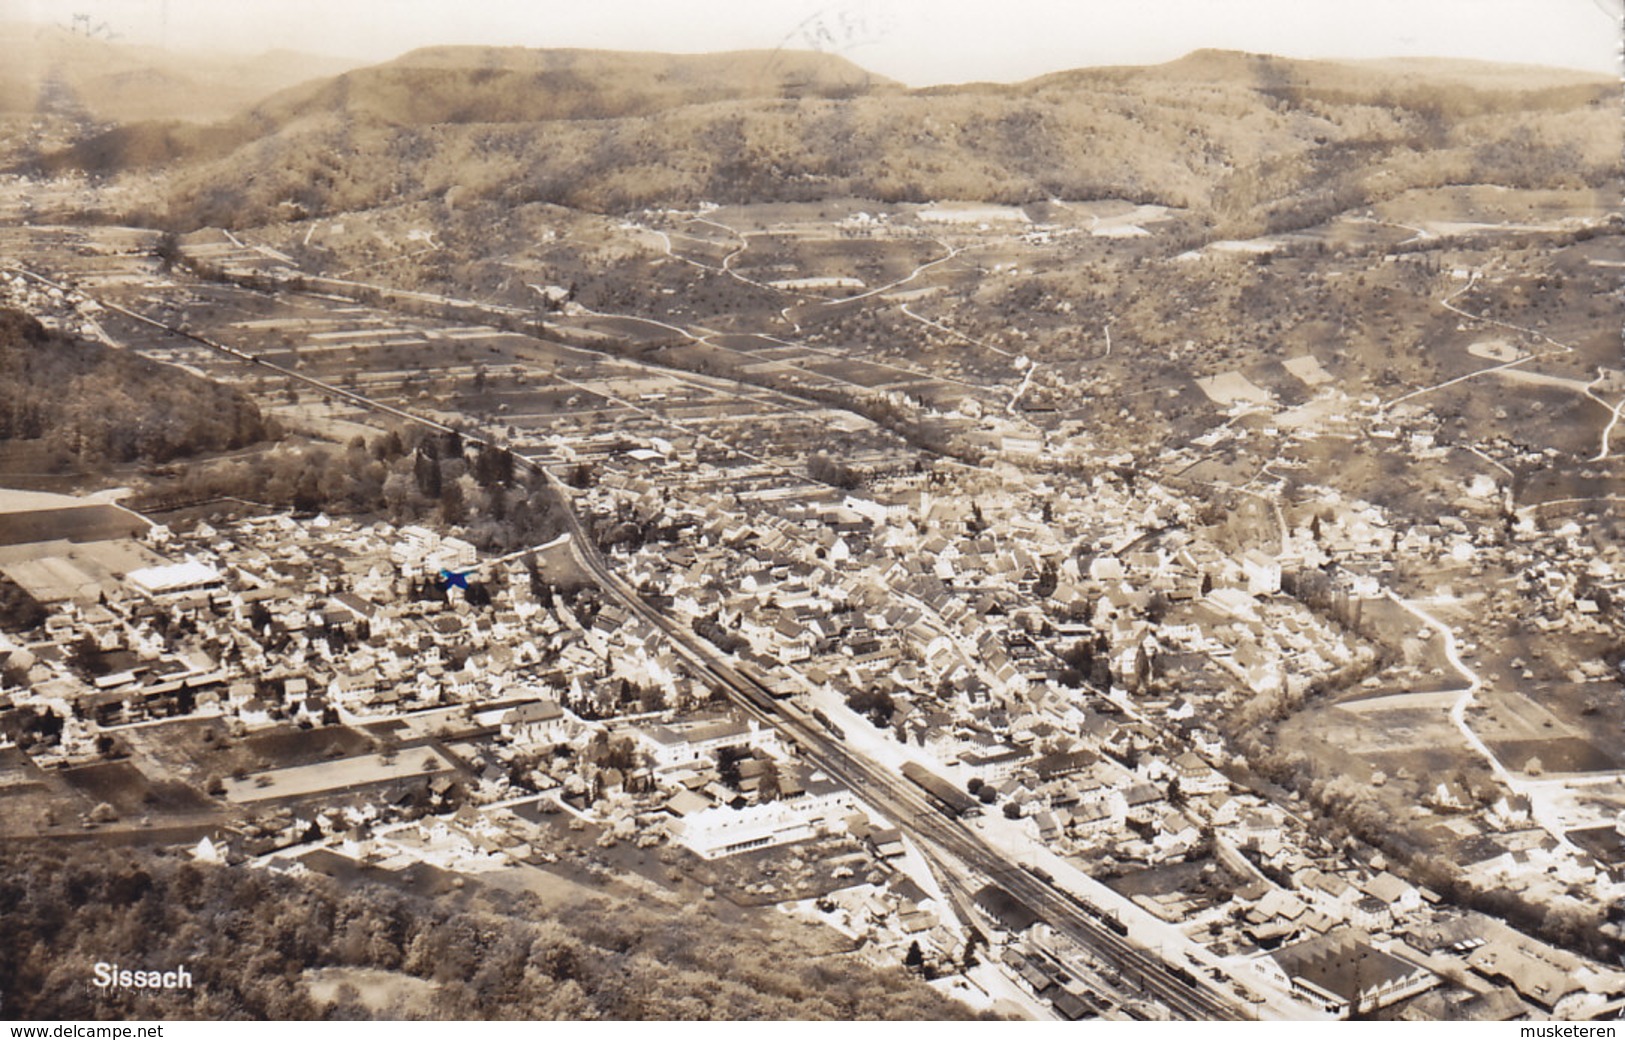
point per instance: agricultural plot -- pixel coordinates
(856, 372)
(1498, 350)
(32, 799)
(1495, 204)
(201, 750)
(286, 746)
(832, 266)
(790, 217)
(1556, 755)
(1519, 727)
(971, 213)
(1352, 233)
(61, 570)
(633, 332)
(693, 252)
(1404, 725)
(1605, 843)
(1097, 213)
(1425, 746)
(131, 792)
(1308, 369)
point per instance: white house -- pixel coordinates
(539, 722)
(1196, 777)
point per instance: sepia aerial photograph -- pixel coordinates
(1061, 511)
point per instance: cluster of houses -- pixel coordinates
(55, 309)
(275, 622)
(969, 672)
(275, 619)
(950, 608)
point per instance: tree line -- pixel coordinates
(248, 937)
(409, 475)
(101, 406)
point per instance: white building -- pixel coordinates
(1263, 573)
(722, 831)
(539, 722)
(453, 554)
(669, 747)
(173, 580)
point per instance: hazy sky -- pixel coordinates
(916, 41)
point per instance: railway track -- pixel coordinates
(1142, 969)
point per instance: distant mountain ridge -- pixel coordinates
(124, 82)
(1458, 84)
(517, 85)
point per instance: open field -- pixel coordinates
(384, 993)
(32, 800)
(201, 750)
(286, 746)
(1556, 755)
(79, 523)
(1400, 728)
(1232, 388)
(970, 213)
(340, 774)
(1495, 204)
(1423, 742)
(1605, 843)
(52, 571)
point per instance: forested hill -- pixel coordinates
(101, 405)
(1252, 142)
(249, 939)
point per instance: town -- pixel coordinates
(1078, 673)
(1119, 605)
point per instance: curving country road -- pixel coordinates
(1541, 811)
(1448, 303)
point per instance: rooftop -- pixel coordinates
(1343, 964)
